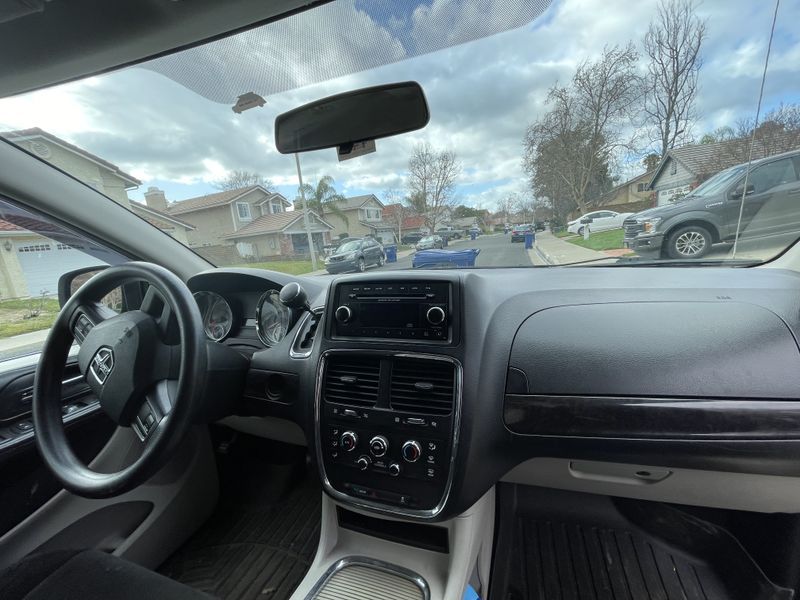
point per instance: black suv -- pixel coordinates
(770, 207)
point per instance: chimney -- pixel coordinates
(155, 198)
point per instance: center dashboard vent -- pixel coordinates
(422, 386)
(354, 381)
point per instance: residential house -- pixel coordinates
(363, 215)
(403, 220)
(31, 263)
(683, 169)
(281, 234)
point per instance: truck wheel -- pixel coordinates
(692, 241)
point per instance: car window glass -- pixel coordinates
(771, 175)
(34, 254)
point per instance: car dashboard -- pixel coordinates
(418, 391)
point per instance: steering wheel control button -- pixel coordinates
(435, 315)
(378, 445)
(343, 314)
(348, 441)
(411, 451)
(394, 469)
(363, 462)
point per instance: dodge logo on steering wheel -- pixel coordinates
(102, 364)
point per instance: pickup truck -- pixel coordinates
(769, 208)
(451, 233)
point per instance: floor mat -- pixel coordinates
(262, 537)
(579, 546)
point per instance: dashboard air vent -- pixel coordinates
(422, 386)
(352, 380)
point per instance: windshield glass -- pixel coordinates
(719, 183)
(348, 247)
(540, 112)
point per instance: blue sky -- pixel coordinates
(482, 94)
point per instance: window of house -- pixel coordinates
(276, 208)
(244, 211)
(642, 187)
(673, 167)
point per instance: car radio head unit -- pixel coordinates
(413, 311)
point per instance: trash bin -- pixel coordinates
(445, 259)
(530, 237)
(391, 252)
(473, 235)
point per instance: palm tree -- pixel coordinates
(323, 198)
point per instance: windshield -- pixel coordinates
(719, 183)
(348, 247)
(541, 112)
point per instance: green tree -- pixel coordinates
(651, 161)
(322, 198)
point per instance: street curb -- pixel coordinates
(544, 256)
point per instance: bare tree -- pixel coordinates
(401, 210)
(237, 179)
(672, 44)
(432, 176)
(568, 150)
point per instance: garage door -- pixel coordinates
(44, 262)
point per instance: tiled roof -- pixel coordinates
(209, 200)
(272, 224)
(34, 132)
(357, 201)
(159, 215)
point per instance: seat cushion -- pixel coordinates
(88, 575)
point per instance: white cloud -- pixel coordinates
(482, 94)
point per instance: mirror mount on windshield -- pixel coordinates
(350, 119)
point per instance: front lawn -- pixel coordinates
(26, 315)
(604, 240)
(292, 267)
(563, 233)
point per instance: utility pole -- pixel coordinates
(311, 249)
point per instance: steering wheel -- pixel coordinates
(144, 373)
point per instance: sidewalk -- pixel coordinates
(550, 250)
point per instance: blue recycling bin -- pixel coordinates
(445, 259)
(391, 252)
(530, 237)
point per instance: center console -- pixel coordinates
(387, 418)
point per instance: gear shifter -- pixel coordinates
(294, 296)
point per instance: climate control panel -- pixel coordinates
(385, 456)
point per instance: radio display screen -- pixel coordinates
(388, 314)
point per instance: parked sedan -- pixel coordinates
(356, 255)
(602, 220)
(430, 242)
(519, 231)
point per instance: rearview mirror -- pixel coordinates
(357, 116)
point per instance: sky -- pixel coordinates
(170, 123)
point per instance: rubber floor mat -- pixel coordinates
(566, 546)
(259, 542)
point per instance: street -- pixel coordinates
(496, 251)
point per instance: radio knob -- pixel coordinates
(363, 463)
(343, 314)
(348, 441)
(411, 451)
(394, 469)
(435, 315)
(378, 445)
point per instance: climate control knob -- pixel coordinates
(343, 314)
(411, 451)
(363, 463)
(394, 469)
(378, 445)
(435, 315)
(348, 441)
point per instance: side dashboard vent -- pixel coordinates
(423, 386)
(352, 380)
